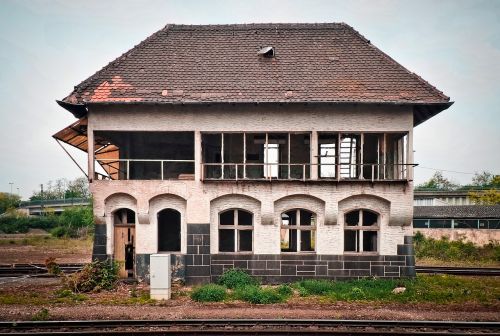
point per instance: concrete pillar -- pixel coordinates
(314, 155)
(197, 155)
(90, 151)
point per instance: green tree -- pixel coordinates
(486, 197)
(438, 182)
(8, 201)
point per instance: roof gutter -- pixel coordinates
(78, 110)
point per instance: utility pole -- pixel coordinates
(11, 184)
(41, 200)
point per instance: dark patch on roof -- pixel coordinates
(327, 62)
(457, 211)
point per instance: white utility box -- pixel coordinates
(160, 276)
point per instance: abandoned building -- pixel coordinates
(282, 149)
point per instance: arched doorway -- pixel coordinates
(124, 241)
(169, 230)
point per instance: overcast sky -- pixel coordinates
(47, 47)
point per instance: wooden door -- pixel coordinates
(124, 250)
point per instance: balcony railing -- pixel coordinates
(137, 169)
(302, 171)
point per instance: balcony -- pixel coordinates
(284, 156)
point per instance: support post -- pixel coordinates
(314, 155)
(197, 156)
(90, 152)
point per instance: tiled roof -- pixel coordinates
(327, 62)
(457, 211)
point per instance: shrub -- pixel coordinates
(258, 295)
(52, 267)
(41, 315)
(458, 250)
(209, 293)
(95, 276)
(285, 290)
(315, 287)
(234, 278)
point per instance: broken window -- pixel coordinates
(146, 155)
(361, 231)
(396, 156)
(235, 231)
(124, 216)
(327, 155)
(298, 231)
(372, 155)
(349, 156)
(169, 230)
(256, 156)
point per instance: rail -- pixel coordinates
(248, 327)
(303, 171)
(12, 270)
(62, 201)
(147, 169)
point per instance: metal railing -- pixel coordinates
(302, 171)
(147, 169)
(62, 201)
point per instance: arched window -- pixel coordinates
(123, 216)
(298, 231)
(361, 231)
(169, 230)
(235, 231)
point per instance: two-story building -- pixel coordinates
(282, 149)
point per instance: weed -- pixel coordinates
(52, 267)
(315, 287)
(41, 315)
(285, 290)
(459, 250)
(234, 278)
(209, 293)
(258, 295)
(95, 276)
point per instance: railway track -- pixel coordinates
(482, 271)
(249, 327)
(15, 270)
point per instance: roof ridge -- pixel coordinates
(84, 84)
(392, 60)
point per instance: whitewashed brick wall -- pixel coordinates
(197, 207)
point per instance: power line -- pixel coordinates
(449, 171)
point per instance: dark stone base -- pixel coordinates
(99, 247)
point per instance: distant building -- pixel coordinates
(452, 214)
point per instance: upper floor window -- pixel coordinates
(298, 231)
(235, 231)
(233, 156)
(361, 231)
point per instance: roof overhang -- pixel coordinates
(421, 111)
(78, 110)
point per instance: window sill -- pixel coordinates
(361, 253)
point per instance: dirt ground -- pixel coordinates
(117, 305)
(36, 248)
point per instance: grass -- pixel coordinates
(440, 289)
(434, 289)
(49, 242)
